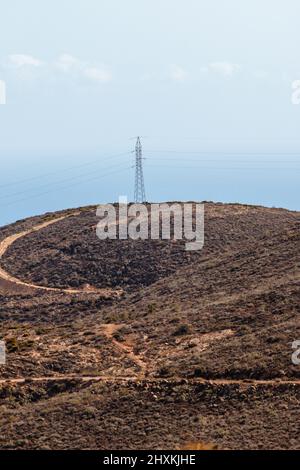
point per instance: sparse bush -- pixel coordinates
(40, 331)
(182, 330)
(88, 333)
(164, 371)
(151, 308)
(90, 412)
(118, 336)
(12, 345)
(26, 344)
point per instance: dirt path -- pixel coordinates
(104, 378)
(109, 330)
(4, 275)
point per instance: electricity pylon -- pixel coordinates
(139, 188)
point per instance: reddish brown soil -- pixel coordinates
(194, 350)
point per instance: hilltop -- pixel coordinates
(185, 346)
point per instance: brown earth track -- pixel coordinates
(104, 378)
(109, 330)
(6, 277)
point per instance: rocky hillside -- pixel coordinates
(227, 314)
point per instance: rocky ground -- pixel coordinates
(146, 415)
(229, 312)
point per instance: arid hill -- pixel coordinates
(140, 344)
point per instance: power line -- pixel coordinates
(139, 189)
(66, 187)
(91, 162)
(224, 168)
(216, 152)
(219, 160)
(65, 180)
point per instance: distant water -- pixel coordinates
(272, 181)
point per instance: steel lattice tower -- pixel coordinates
(139, 188)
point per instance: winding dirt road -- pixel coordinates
(4, 275)
(104, 378)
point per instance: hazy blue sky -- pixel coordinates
(208, 83)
